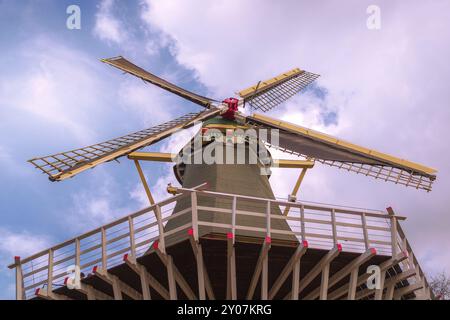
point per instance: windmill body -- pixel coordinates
(223, 234)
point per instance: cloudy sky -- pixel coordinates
(386, 89)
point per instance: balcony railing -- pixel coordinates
(323, 226)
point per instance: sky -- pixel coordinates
(383, 88)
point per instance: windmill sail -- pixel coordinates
(338, 153)
(268, 94)
(64, 165)
(125, 65)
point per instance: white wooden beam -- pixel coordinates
(288, 268)
(316, 270)
(178, 277)
(408, 289)
(43, 293)
(262, 261)
(118, 285)
(354, 264)
(363, 278)
(146, 278)
(390, 282)
(231, 268)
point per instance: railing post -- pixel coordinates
(20, 294)
(50, 272)
(333, 226)
(162, 244)
(132, 240)
(268, 210)
(194, 214)
(77, 253)
(302, 222)
(365, 232)
(394, 231)
(233, 218)
(104, 253)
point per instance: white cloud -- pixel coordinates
(388, 87)
(56, 84)
(107, 26)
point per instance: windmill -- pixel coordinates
(226, 118)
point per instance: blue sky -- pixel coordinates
(385, 89)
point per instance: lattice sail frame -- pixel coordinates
(268, 94)
(386, 172)
(63, 165)
(391, 169)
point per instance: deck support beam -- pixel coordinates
(388, 283)
(293, 265)
(147, 280)
(353, 265)
(92, 293)
(321, 265)
(44, 293)
(399, 293)
(260, 270)
(231, 268)
(204, 282)
(119, 287)
(363, 278)
(173, 272)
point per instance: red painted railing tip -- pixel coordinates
(155, 245)
(229, 235)
(37, 291)
(94, 269)
(373, 250)
(191, 232)
(125, 257)
(65, 280)
(268, 240)
(305, 243)
(339, 247)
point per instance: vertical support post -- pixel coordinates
(162, 244)
(194, 214)
(379, 292)
(365, 231)
(295, 280)
(233, 219)
(144, 283)
(132, 239)
(352, 284)
(231, 270)
(200, 273)
(333, 226)
(144, 182)
(264, 278)
(171, 279)
(268, 211)
(77, 253)
(104, 253)
(116, 289)
(390, 292)
(50, 272)
(302, 222)
(324, 282)
(20, 293)
(394, 231)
